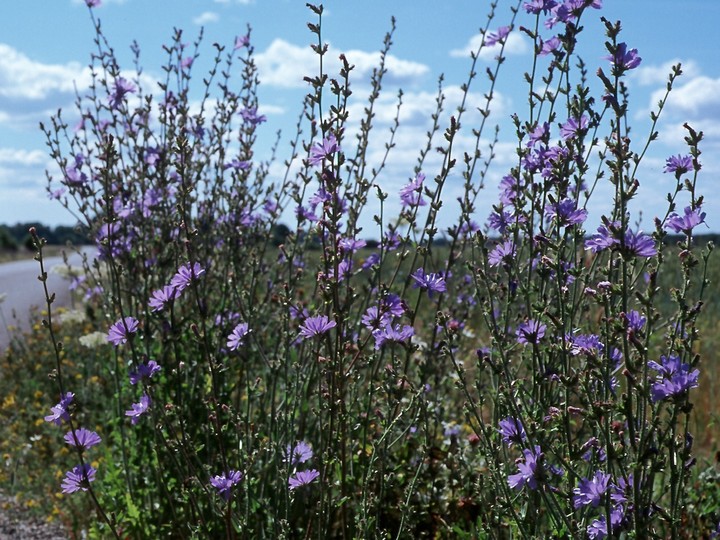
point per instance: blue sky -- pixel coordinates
(45, 46)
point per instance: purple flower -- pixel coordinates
(687, 222)
(591, 491)
(679, 164)
(411, 194)
(350, 245)
(185, 275)
(373, 258)
(598, 529)
(144, 371)
(59, 412)
(79, 478)
(241, 41)
(162, 297)
(567, 213)
(303, 214)
(635, 320)
(537, 6)
(138, 409)
(432, 282)
(373, 318)
(603, 239)
(151, 156)
(393, 305)
(296, 312)
(502, 254)
(323, 150)
(300, 453)
(573, 127)
(624, 59)
(119, 332)
(549, 46)
(302, 478)
(316, 326)
(538, 134)
(225, 482)
(391, 240)
(237, 336)
(74, 177)
(451, 429)
(716, 533)
(530, 331)
(499, 220)
(493, 37)
(92, 3)
(674, 379)
(57, 193)
(586, 344)
(529, 470)
(640, 244)
(82, 438)
(251, 116)
(344, 270)
(512, 431)
(396, 334)
(509, 189)
(319, 198)
(120, 89)
(621, 490)
(591, 449)
(237, 164)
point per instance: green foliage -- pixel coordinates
(396, 364)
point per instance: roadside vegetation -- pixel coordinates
(249, 361)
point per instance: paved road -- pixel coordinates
(18, 281)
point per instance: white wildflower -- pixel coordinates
(93, 340)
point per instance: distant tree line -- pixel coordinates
(15, 237)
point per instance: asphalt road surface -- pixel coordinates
(22, 289)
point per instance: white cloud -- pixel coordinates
(698, 98)
(285, 65)
(418, 106)
(696, 102)
(22, 169)
(271, 109)
(25, 79)
(15, 156)
(397, 70)
(515, 45)
(32, 91)
(206, 17)
(652, 75)
(411, 137)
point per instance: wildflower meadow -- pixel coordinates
(247, 358)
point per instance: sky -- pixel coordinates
(45, 46)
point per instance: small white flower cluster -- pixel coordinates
(72, 316)
(93, 340)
